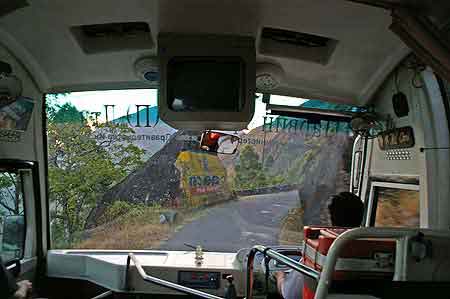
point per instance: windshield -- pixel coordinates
(121, 178)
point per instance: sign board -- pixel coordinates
(202, 178)
(396, 138)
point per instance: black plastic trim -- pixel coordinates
(45, 153)
(33, 166)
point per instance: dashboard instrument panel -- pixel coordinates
(199, 280)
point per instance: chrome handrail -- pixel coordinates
(273, 254)
(165, 283)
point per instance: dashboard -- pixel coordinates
(108, 268)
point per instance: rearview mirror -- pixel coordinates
(219, 142)
(13, 237)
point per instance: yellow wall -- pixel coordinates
(202, 178)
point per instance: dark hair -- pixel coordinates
(346, 209)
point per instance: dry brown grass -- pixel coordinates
(137, 230)
(291, 232)
(128, 236)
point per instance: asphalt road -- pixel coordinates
(237, 224)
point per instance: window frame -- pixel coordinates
(10, 168)
(373, 198)
(32, 244)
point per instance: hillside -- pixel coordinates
(316, 163)
(319, 166)
(156, 181)
(177, 176)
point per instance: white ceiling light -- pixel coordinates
(268, 76)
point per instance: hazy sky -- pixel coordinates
(95, 101)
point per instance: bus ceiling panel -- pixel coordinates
(363, 53)
(429, 7)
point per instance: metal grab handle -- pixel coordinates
(299, 267)
(165, 283)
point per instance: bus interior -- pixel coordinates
(173, 148)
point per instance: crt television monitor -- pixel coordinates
(206, 82)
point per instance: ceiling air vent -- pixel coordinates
(297, 45)
(113, 37)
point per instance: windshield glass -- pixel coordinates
(121, 178)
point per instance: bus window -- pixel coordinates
(12, 218)
(122, 178)
(397, 207)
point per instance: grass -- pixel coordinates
(139, 228)
(134, 236)
(291, 232)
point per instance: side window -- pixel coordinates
(12, 216)
(397, 207)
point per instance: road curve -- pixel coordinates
(237, 224)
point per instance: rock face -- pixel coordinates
(157, 181)
(319, 165)
(169, 179)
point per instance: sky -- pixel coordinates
(94, 101)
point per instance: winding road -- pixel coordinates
(236, 224)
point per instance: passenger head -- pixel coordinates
(346, 209)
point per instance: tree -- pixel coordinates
(249, 171)
(10, 195)
(83, 163)
(68, 113)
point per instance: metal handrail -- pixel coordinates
(165, 283)
(273, 254)
(360, 233)
(103, 295)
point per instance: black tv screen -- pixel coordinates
(205, 84)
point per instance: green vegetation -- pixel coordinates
(250, 173)
(82, 168)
